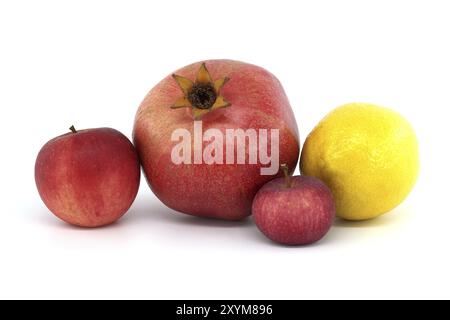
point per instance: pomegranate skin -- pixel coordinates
(223, 191)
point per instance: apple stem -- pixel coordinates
(72, 128)
(287, 176)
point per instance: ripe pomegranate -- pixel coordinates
(209, 135)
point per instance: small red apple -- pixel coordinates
(88, 178)
(295, 210)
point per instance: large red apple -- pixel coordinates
(181, 128)
(88, 178)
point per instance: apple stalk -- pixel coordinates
(287, 176)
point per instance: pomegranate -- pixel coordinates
(211, 134)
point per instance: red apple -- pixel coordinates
(295, 210)
(212, 175)
(88, 178)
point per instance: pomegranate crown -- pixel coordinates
(202, 95)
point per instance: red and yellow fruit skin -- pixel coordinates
(223, 191)
(89, 178)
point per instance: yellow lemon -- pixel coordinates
(368, 156)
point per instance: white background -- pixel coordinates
(90, 63)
